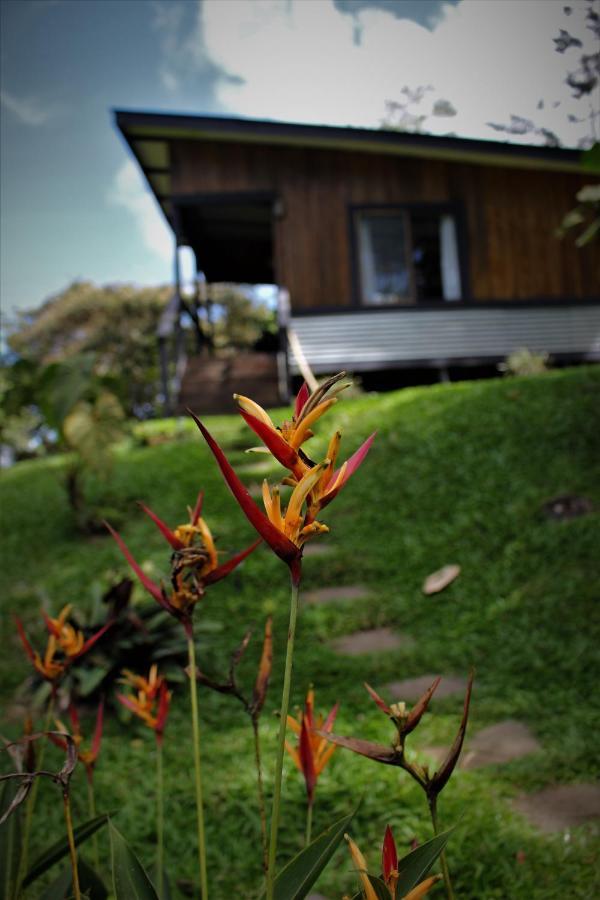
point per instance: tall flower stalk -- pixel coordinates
(194, 566)
(314, 486)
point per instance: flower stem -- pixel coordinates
(92, 815)
(71, 839)
(309, 823)
(32, 798)
(285, 702)
(261, 794)
(196, 742)
(443, 861)
(159, 819)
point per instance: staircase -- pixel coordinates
(208, 383)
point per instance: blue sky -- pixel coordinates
(72, 204)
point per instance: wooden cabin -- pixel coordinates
(391, 250)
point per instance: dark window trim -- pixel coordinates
(492, 303)
(456, 209)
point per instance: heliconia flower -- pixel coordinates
(390, 871)
(194, 563)
(87, 757)
(285, 442)
(63, 639)
(152, 701)
(285, 532)
(313, 753)
(394, 755)
(405, 720)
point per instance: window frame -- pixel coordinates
(356, 211)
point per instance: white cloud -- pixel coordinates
(29, 110)
(298, 61)
(130, 192)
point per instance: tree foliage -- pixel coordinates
(115, 323)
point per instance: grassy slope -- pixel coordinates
(458, 473)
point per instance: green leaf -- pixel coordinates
(379, 887)
(298, 876)
(10, 843)
(591, 158)
(413, 867)
(61, 848)
(90, 883)
(90, 679)
(130, 881)
(161, 879)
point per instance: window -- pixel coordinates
(407, 256)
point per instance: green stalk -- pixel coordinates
(92, 815)
(72, 851)
(31, 800)
(159, 818)
(196, 742)
(285, 702)
(261, 794)
(443, 861)
(309, 823)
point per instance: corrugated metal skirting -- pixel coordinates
(385, 339)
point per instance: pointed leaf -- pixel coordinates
(379, 887)
(130, 881)
(273, 441)
(303, 395)
(10, 843)
(418, 710)
(298, 876)
(164, 529)
(152, 588)
(223, 570)
(264, 670)
(352, 465)
(279, 543)
(90, 883)
(442, 775)
(378, 752)
(61, 848)
(389, 856)
(413, 867)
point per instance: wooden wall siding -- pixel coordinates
(401, 337)
(511, 215)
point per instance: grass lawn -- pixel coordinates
(458, 473)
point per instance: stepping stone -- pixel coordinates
(335, 594)
(375, 641)
(499, 743)
(317, 547)
(560, 806)
(260, 467)
(412, 689)
(439, 580)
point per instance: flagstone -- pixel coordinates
(260, 467)
(560, 806)
(317, 548)
(374, 641)
(412, 688)
(335, 594)
(499, 743)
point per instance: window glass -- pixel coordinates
(407, 256)
(385, 275)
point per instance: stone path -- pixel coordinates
(335, 594)
(499, 743)
(374, 641)
(412, 689)
(260, 467)
(317, 547)
(560, 806)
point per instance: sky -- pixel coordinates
(72, 202)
